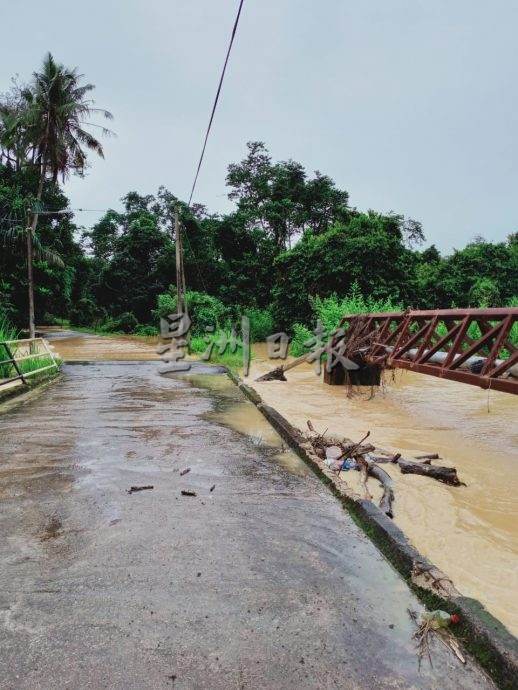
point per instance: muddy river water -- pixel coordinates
(470, 532)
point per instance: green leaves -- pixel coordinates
(278, 197)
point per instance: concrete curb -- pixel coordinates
(24, 388)
(495, 648)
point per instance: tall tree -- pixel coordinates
(49, 121)
(280, 199)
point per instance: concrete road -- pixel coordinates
(264, 582)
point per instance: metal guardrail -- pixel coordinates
(34, 348)
(468, 345)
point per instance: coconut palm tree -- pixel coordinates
(53, 125)
(15, 147)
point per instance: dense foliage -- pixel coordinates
(44, 135)
(291, 251)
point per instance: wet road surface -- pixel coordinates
(264, 582)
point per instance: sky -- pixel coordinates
(409, 105)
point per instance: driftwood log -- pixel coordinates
(339, 450)
(386, 482)
(385, 459)
(277, 374)
(447, 475)
(364, 475)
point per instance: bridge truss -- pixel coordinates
(474, 346)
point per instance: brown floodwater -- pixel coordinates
(470, 532)
(75, 346)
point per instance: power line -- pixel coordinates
(70, 210)
(216, 99)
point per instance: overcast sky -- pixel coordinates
(410, 105)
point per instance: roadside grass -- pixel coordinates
(230, 360)
(8, 332)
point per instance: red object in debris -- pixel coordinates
(454, 618)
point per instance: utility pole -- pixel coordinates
(179, 262)
(30, 275)
(181, 288)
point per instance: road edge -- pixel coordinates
(29, 387)
(482, 635)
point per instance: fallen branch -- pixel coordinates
(447, 475)
(357, 451)
(387, 460)
(277, 374)
(386, 482)
(132, 489)
(364, 474)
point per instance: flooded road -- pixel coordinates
(469, 532)
(88, 347)
(260, 580)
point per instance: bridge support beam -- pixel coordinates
(367, 375)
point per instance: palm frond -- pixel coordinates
(51, 257)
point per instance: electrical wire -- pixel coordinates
(216, 99)
(70, 210)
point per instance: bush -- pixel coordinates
(146, 330)
(301, 334)
(331, 310)
(126, 322)
(50, 319)
(485, 293)
(261, 324)
(85, 312)
(204, 310)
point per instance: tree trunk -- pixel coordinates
(30, 236)
(447, 475)
(30, 278)
(386, 482)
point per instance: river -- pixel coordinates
(470, 532)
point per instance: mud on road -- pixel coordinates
(263, 582)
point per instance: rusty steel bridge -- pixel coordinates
(474, 346)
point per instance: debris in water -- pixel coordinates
(342, 454)
(132, 489)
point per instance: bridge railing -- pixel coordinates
(474, 346)
(34, 351)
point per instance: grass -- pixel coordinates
(9, 332)
(231, 360)
(332, 309)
